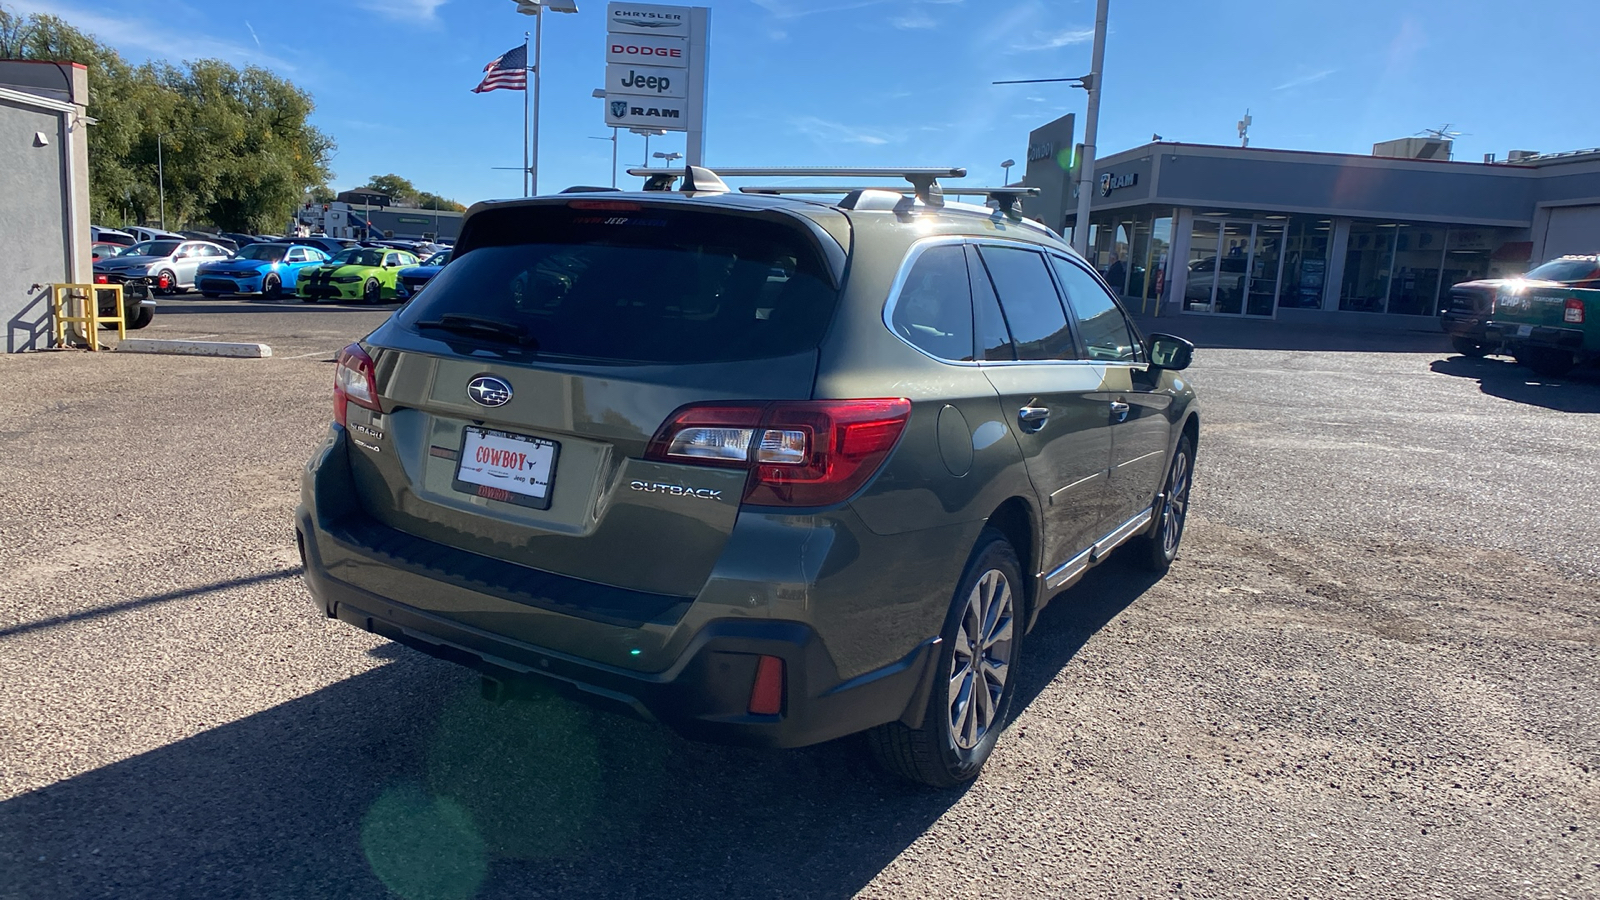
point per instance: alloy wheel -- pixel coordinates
(981, 662)
(1177, 505)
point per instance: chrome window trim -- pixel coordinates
(943, 240)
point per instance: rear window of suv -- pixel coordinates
(650, 285)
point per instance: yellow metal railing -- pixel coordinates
(63, 295)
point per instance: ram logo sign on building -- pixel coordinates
(656, 70)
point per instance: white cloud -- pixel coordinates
(834, 132)
(253, 35)
(794, 9)
(157, 39)
(405, 10)
(916, 19)
(1303, 80)
(1054, 40)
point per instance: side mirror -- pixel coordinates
(1168, 351)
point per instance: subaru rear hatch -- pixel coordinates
(517, 397)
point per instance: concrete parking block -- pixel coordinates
(195, 348)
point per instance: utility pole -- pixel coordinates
(1091, 125)
(1091, 128)
(161, 181)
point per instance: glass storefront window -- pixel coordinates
(1155, 259)
(1418, 259)
(1305, 263)
(1467, 255)
(1368, 262)
(1202, 263)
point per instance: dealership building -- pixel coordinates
(1317, 238)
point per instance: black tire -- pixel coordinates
(165, 276)
(935, 754)
(139, 317)
(1546, 361)
(1469, 347)
(271, 287)
(1157, 550)
(307, 298)
(371, 292)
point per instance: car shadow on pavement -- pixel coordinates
(1577, 392)
(404, 782)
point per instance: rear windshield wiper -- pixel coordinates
(483, 327)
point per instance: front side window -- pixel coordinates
(934, 309)
(1106, 333)
(1032, 308)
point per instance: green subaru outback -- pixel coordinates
(768, 469)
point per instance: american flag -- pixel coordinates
(509, 70)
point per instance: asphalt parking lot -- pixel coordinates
(1372, 672)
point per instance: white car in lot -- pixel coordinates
(170, 264)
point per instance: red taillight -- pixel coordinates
(354, 381)
(800, 453)
(1573, 314)
(766, 694)
(101, 279)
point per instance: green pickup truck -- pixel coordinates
(1548, 328)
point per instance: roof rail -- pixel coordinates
(924, 179)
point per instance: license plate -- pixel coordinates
(1524, 330)
(511, 468)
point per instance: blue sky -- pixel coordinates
(898, 82)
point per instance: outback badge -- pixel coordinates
(487, 390)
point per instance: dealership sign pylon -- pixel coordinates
(656, 70)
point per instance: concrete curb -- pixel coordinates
(195, 348)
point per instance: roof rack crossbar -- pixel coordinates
(924, 179)
(1006, 198)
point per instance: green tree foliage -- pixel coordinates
(236, 145)
(404, 193)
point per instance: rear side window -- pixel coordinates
(934, 308)
(1105, 329)
(652, 285)
(1032, 308)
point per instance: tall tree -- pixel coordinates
(237, 147)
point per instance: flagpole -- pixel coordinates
(538, 73)
(526, 166)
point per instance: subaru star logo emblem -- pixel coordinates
(619, 108)
(487, 390)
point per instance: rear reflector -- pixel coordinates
(766, 694)
(101, 279)
(800, 453)
(354, 381)
(1573, 314)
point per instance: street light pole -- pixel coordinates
(1006, 166)
(1091, 125)
(1091, 128)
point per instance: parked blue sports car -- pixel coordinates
(266, 269)
(412, 278)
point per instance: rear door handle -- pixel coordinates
(1119, 411)
(1033, 418)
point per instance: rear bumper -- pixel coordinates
(1536, 336)
(704, 696)
(854, 656)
